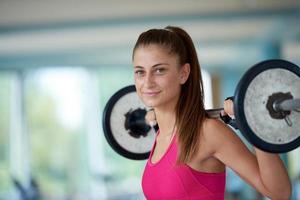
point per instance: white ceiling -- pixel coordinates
(16, 12)
(31, 27)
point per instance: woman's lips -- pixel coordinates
(151, 93)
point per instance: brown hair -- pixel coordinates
(190, 112)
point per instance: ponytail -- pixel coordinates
(190, 112)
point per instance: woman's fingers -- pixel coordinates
(150, 118)
(228, 107)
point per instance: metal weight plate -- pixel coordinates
(255, 89)
(124, 125)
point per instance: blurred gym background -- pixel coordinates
(60, 61)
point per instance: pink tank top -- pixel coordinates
(164, 180)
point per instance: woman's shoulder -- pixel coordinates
(212, 126)
(214, 130)
(211, 137)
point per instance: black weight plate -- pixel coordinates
(250, 99)
(114, 118)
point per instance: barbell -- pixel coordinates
(266, 109)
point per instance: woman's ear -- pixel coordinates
(184, 73)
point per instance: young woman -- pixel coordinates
(191, 151)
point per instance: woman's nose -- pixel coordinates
(149, 80)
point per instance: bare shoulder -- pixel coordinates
(212, 128)
(220, 138)
(215, 132)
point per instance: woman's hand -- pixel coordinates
(228, 108)
(150, 118)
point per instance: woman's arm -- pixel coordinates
(273, 174)
(264, 171)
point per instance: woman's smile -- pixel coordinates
(151, 93)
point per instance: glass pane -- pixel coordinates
(5, 179)
(54, 106)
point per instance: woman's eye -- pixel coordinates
(160, 70)
(139, 72)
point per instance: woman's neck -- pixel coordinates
(166, 121)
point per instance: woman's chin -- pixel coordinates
(149, 104)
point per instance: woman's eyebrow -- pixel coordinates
(138, 67)
(156, 65)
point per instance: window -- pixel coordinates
(5, 97)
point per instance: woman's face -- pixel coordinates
(158, 76)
